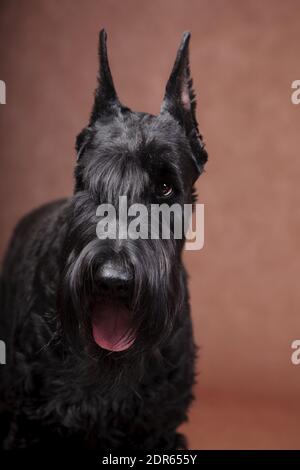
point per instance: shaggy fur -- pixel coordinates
(59, 388)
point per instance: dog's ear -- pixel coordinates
(180, 102)
(82, 140)
(106, 99)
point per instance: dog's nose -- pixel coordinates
(115, 275)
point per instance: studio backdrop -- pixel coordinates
(244, 282)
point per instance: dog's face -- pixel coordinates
(122, 294)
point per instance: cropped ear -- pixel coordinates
(180, 102)
(106, 99)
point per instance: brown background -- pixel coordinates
(245, 282)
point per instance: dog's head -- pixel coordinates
(125, 293)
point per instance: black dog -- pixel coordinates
(100, 351)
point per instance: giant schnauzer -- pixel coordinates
(100, 350)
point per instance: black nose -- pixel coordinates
(115, 275)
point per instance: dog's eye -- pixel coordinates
(165, 190)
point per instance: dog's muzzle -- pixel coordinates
(111, 311)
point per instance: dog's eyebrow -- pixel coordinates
(164, 168)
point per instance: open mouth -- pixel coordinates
(111, 325)
(111, 311)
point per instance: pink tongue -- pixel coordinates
(110, 322)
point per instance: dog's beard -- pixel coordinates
(130, 324)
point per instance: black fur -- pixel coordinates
(59, 388)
